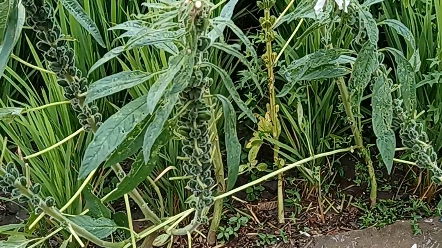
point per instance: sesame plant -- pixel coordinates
(353, 75)
(181, 28)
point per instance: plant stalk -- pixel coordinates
(358, 140)
(273, 111)
(218, 167)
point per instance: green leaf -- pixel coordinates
(233, 146)
(239, 33)
(226, 12)
(365, 64)
(232, 90)
(304, 10)
(406, 78)
(96, 208)
(368, 3)
(402, 30)
(312, 66)
(6, 7)
(326, 72)
(65, 244)
(108, 56)
(370, 25)
(170, 99)
(9, 227)
(148, 37)
(157, 90)
(100, 228)
(116, 83)
(131, 145)
(14, 26)
(111, 134)
(15, 242)
(229, 49)
(140, 170)
(83, 19)
(8, 114)
(382, 118)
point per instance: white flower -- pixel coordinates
(342, 4)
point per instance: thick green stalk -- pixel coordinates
(219, 175)
(358, 140)
(273, 111)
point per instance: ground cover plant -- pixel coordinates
(196, 123)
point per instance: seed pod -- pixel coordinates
(35, 188)
(50, 201)
(22, 180)
(22, 199)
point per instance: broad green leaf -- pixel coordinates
(96, 208)
(157, 90)
(370, 26)
(140, 170)
(108, 56)
(326, 72)
(229, 49)
(116, 83)
(8, 114)
(100, 228)
(233, 146)
(304, 66)
(406, 78)
(170, 99)
(365, 64)
(226, 12)
(232, 90)
(382, 118)
(149, 37)
(131, 145)
(13, 30)
(111, 134)
(305, 9)
(15, 242)
(368, 3)
(83, 19)
(402, 30)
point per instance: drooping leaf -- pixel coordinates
(6, 7)
(232, 90)
(305, 9)
(100, 228)
(116, 83)
(139, 169)
(108, 56)
(232, 51)
(232, 143)
(226, 12)
(111, 134)
(370, 25)
(402, 30)
(170, 99)
(382, 118)
(96, 208)
(9, 227)
(12, 33)
(365, 64)
(8, 114)
(83, 19)
(157, 90)
(326, 72)
(239, 33)
(406, 79)
(15, 242)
